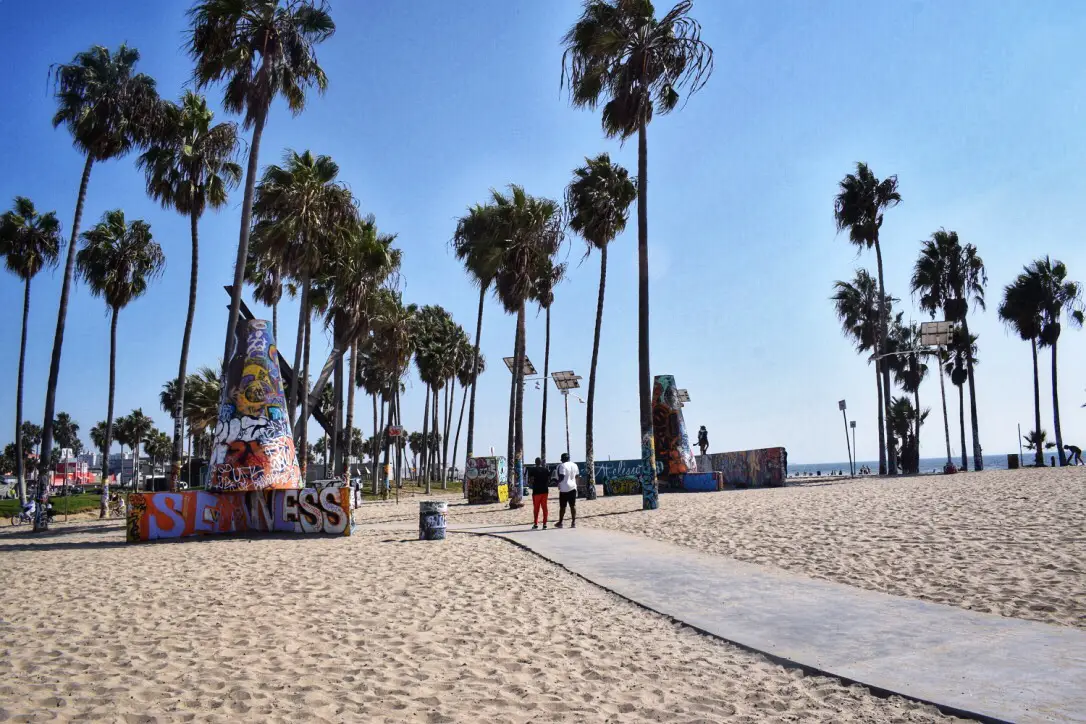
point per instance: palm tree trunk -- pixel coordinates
(649, 500)
(425, 438)
(387, 439)
(546, 385)
(179, 401)
(243, 242)
(882, 423)
(20, 473)
(1039, 455)
(275, 322)
(449, 388)
(456, 441)
(373, 448)
(435, 455)
(475, 377)
(102, 512)
(512, 403)
(299, 344)
(916, 400)
(961, 424)
(337, 425)
(946, 420)
(518, 470)
(978, 453)
(891, 454)
(1056, 409)
(303, 433)
(590, 453)
(41, 522)
(352, 371)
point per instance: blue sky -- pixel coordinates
(977, 106)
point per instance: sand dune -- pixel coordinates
(366, 628)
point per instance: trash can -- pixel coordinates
(432, 519)
(1012, 461)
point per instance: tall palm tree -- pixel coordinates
(29, 242)
(859, 206)
(1020, 310)
(950, 276)
(261, 49)
(472, 366)
(960, 355)
(189, 167)
(118, 260)
(857, 306)
(301, 212)
(140, 428)
(478, 244)
(547, 276)
(266, 277)
(620, 55)
(1053, 294)
(98, 439)
(909, 369)
(598, 204)
(122, 433)
(108, 109)
(533, 229)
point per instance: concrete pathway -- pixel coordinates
(975, 664)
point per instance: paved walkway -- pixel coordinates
(977, 664)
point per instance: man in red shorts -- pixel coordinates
(540, 478)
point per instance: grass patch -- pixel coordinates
(61, 505)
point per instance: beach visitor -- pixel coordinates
(1076, 454)
(567, 491)
(703, 440)
(540, 478)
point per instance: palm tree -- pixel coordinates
(477, 243)
(533, 230)
(29, 242)
(471, 367)
(909, 370)
(159, 445)
(857, 306)
(122, 433)
(1037, 440)
(108, 109)
(950, 276)
(904, 421)
(117, 261)
(189, 167)
(140, 427)
(1052, 294)
(598, 204)
(960, 355)
(98, 439)
(301, 212)
(261, 49)
(619, 54)
(1020, 310)
(859, 207)
(266, 277)
(202, 405)
(547, 276)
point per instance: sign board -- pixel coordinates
(936, 334)
(395, 430)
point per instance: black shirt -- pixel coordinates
(541, 479)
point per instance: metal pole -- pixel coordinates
(851, 467)
(1021, 458)
(946, 420)
(565, 395)
(855, 450)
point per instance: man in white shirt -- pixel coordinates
(567, 490)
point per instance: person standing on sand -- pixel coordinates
(1076, 454)
(567, 491)
(541, 480)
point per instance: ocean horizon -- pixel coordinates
(927, 465)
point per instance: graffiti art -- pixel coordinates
(767, 467)
(254, 447)
(669, 428)
(152, 516)
(487, 480)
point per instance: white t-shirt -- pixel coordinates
(567, 477)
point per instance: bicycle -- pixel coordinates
(22, 518)
(116, 509)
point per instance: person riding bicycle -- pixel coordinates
(29, 507)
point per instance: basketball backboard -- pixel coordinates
(936, 334)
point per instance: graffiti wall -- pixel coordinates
(700, 482)
(619, 477)
(253, 446)
(487, 480)
(767, 467)
(669, 428)
(153, 516)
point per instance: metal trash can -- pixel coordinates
(432, 519)
(1012, 461)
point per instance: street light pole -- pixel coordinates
(851, 468)
(565, 396)
(855, 450)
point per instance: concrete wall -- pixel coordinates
(767, 467)
(487, 480)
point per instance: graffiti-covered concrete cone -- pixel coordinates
(254, 448)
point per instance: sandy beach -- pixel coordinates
(375, 627)
(1005, 542)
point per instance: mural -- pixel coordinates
(153, 516)
(650, 496)
(767, 467)
(618, 477)
(253, 447)
(487, 480)
(669, 429)
(700, 482)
